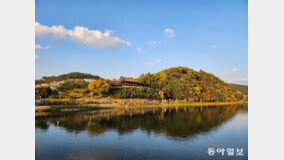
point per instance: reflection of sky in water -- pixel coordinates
(57, 143)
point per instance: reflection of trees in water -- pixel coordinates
(41, 124)
(177, 123)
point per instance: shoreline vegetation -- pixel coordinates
(177, 86)
(82, 107)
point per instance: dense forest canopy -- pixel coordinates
(185, 83)
(242, 88)
(72, 75)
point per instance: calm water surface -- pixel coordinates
(173, 133)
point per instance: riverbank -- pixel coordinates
(122, 104)
(72, 107)
(194, 104)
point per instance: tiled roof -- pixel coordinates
(127, 79)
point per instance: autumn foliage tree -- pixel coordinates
(99, 86)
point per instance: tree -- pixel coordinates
(202, 97)
(80, 83)
(99, 86)
(167, 93)
(66, 86)
(44, 92)
(197, 92)
(161, 93)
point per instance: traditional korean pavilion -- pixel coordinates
(128, 81)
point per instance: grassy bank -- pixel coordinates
(86, 107)
(193, 104)
(70, 108)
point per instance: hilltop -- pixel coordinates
(72, 75)
(183, 83)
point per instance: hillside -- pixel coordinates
(72, 75)
(241, 88)
(185, 83)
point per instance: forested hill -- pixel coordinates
(72, 75)
(185, 83)
(242, 88)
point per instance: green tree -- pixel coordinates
(80, 83)
(45, 92)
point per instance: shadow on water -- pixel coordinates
(177, 123)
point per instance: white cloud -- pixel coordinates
(37, 46)
(149, 63)
(139, 50)
(159, 61)
(82, 35)
(95, 38)
(152, 42)
(36, 57)
(214, 46)
(235, 70)
(53, 32)
(169, 33)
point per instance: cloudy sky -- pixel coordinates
(113, 38)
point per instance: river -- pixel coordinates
(169, 133)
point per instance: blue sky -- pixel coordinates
(113, 38)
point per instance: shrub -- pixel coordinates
(133, 92)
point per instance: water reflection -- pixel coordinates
(175, 123)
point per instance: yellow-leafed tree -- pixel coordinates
(99, 86)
